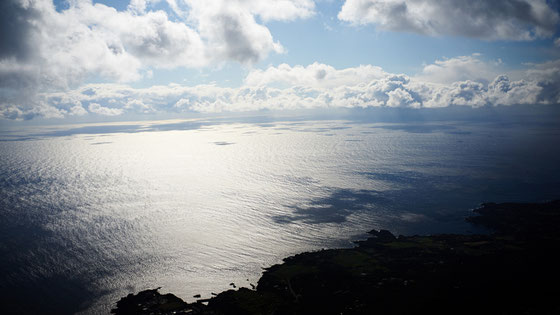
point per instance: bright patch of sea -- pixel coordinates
(92, 213)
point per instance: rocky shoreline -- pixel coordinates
(511, 271)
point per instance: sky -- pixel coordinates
(83, 60)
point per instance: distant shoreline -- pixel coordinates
(509, 271)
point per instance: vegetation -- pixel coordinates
(512, 271)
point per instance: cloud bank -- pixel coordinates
(490, 20)
(314, 86)
(46, 54)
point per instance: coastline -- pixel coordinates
(510, 271)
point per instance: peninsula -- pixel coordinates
(513, 270)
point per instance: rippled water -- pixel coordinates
(92, 213)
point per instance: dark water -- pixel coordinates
(92, 213)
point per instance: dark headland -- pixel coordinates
(514, 270)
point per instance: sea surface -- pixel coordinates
(90, 213)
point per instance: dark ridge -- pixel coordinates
(511, 271)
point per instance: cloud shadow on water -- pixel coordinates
(423, 128)
(223, 143)
(111, 129)
(100, 129)
(334, 208)
(416, 202)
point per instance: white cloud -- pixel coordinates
(460, 68)
(104, 111)
(548, 77)
(359, 87)
(77, 110)
(399, 97)
(491, 20)
(48, 54)
(138, 106)
(468, 93)
(314, 75)
(282, 10)
(502, 91)
(47, 50)
(231, 31)
(62, 49)
(557, 42)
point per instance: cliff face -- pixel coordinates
(512, 271)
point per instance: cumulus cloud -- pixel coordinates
(281, 10)
(46, 54)
(42, 49)
(105, 111)
(548, 77)
(460, 68)
(314, 75)
(490, 20)
(306, 87)
(61, 49)
(232, 32)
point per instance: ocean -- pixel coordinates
(90, 213)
